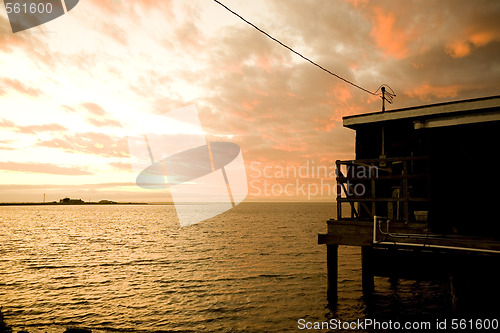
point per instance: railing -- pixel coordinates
(394, 187)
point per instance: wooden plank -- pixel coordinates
(361, 234)
(463, 243)
(342, 233)
(344, 239)
(354, 199)
(388, 159)
(395, 177)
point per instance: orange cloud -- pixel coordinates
(104, 122)
(297, 146)
(10, 41)
(67, 108)
(264, 63)
(4, 145)
(426, 91)
(7, 124)
(358, 3)
(386, 36)
(462, 48)
(189, 35)
(44, 168)
(121, 166)
(458, 49)
(19, 87)
(250, 105)
(482, 38)
(32, 129)
(326, 125)
(120, 7)
(89, 143)
(94, 109)
(341, 92)
(103, 118)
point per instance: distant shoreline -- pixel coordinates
(71, 204)
(151, 203)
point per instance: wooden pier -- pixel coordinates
(419, 198)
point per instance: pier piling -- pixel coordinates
(367, 275)
(332, 268)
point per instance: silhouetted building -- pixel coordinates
(106, 202)
(69, 201)
(420, 196)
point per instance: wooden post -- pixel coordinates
(406, 193)
(374, 211)
(367, 275)
(332, 267)
(339, 190)
(455, 304)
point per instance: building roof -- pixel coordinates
(436, 115)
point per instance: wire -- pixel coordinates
(307, 59)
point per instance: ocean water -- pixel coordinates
(255, 268)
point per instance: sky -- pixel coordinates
(74, 89)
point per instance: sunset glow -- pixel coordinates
(74, 89)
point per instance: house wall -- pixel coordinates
(464, 180)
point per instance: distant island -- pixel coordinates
(69, 201)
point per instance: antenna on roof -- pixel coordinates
(383, 99)
(386, 96)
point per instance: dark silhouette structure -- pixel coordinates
(69, 201)
(419, 198)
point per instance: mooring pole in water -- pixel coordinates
(367, 275)
(332, 268)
